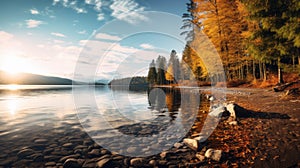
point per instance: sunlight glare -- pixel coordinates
(12, 106)
(13, 87)
(12, 65)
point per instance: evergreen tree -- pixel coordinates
(152, 75)
(161, 64)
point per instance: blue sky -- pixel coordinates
(48, 36)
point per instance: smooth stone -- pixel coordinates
(103, 162)
(25, 152)
(94, 152)
(50, 164)
(67, 145)
(191, 143)
(40, 141)
(137, 161)
(71, 163)
(152, 162)
(38, 157)
(213, 154)
(63, 159)
(200, 157)
(80, 147)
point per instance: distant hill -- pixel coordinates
(32, 79)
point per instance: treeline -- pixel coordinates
(136, 80)
(163, 72)
(253, 38)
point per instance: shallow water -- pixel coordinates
(107, 115)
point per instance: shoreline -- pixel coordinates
(260, 140)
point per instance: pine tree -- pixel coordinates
(152, 75)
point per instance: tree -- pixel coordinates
(152, 75)
(173, 73)
(161, 64)
(277, 36)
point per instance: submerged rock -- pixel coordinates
(24, 153)
(71, 163)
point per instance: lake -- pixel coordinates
(146, 121)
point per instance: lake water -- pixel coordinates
(151, 120)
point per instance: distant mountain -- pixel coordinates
(32, 79)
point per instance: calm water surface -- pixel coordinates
(103, 112)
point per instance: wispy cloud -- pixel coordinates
(58, 34)
(34, 11)
(147, 46)
(33, 23)
(103, 36)
(70, 4)
(96, 3)
(82, 32)
(127, 10)
(100, 16)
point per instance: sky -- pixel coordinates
(100, 39)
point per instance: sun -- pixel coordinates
(12, 65)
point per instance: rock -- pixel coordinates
(67, 145)
(201, 138)
(200, 157)
(164, 154)
(103, 162)
(230, 108)
(24, 153)
(233, 123)
(177, 145)
(137, 162)
(94, 152)
(217, 111)
(50, 164)
(71, 163)
(63, 159)
(213, 154)
(191, 143)
(38, 157)
(40, 141)
(131, 149)
(152, 162)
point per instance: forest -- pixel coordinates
(258, 41)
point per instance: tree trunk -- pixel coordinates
(265, 71)
(260, 70)
(299, 60)
(253, 70)
(280, 77)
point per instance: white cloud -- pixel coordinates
(82, 32)
(70, 4)
(80, 10)
(103, 36)
(100, 16)
(146, 46)
(127, 10)
(58, 34)
(33, 23)
(34, 11)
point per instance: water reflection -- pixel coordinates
(12, 105)
(165, 99)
